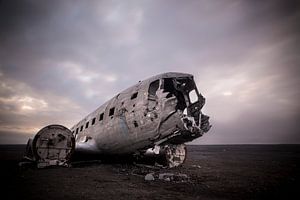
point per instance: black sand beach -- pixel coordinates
(213, 171)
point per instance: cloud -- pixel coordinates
(25, 110)
(123, 22)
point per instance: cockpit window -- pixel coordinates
(193, 96)
(153, 87)
(168, 85)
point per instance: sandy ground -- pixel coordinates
(214, 172)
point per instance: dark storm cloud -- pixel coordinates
(59, 60)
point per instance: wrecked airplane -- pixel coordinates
(153, 118)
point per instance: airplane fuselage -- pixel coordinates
(164, 109)
(152, 119)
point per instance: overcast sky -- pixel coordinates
(60, 60)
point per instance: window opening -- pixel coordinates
(153, 87)
(134, 95)
(101, 117)
(152, 97)
(94, 120)
(168, 86)
(87, 125)
(111, 111)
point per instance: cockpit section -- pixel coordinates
(179, 95)
(190, 101)
(177, 104)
